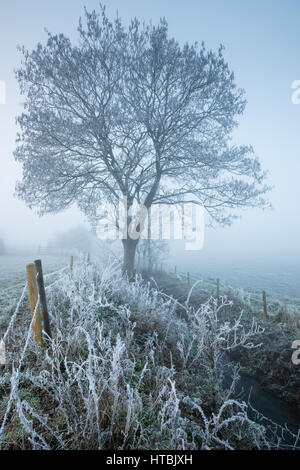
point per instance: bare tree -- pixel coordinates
(129, 112)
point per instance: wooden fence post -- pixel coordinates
(265, 304)
(33, 299)
(42, 293)
(188, 279)
(71, 265)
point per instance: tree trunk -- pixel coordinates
(129, 247)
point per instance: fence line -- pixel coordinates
(55, 272)
(12, 320)
(22, 297)
(255, 297)
(16, 372)
(15, 379)
(4, 293)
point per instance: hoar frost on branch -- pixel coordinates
(130, 113)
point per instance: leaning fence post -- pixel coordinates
(71, 265)
(33, 300)
(265, 304)
(42, 293)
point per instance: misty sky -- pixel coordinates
(262, 40)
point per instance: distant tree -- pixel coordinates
(151, 253)
(78, 238)
(131, 113)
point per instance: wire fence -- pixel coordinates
(16, 372)
(26, 342)
(27, 334)
(9, 296)
(251, 297)
(15, 303)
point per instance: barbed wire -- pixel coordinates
(22, 297)
(13, 318)
(16, 372)
(253, 296)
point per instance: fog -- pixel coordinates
(261, 41)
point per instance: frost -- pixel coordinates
(124, 371)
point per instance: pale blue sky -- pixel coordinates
(262, 41)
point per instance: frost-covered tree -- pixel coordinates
(129, 112)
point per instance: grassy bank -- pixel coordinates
(271, 363)
(126, 370)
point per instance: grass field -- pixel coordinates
(281, 282)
